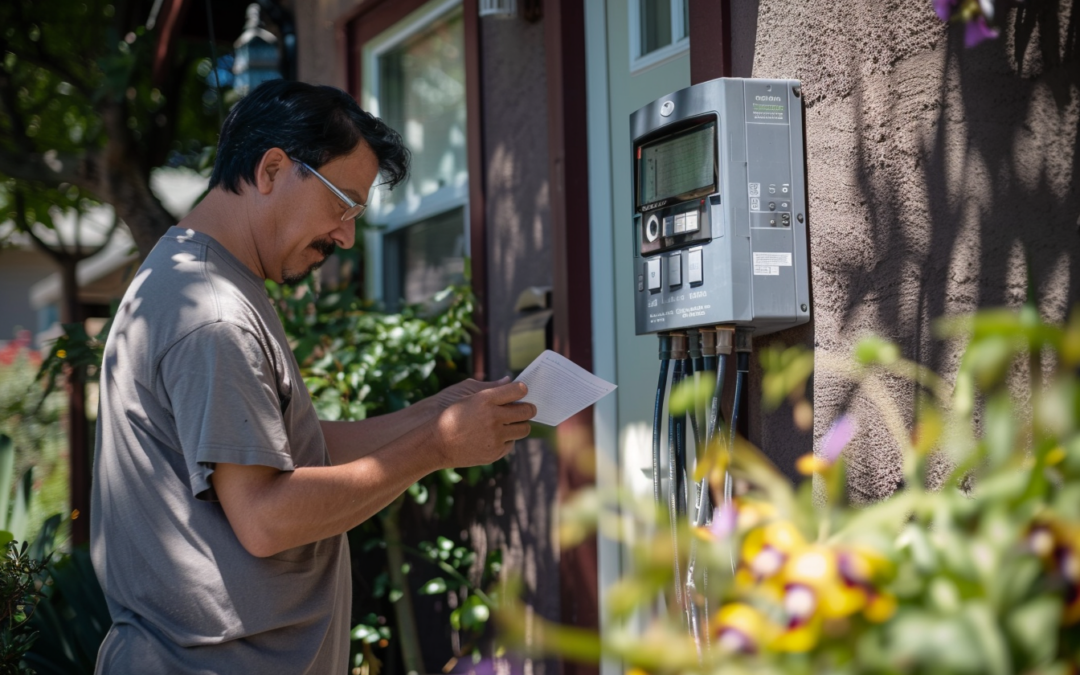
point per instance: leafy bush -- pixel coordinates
(35, 425)
(20, 595)
(359, 362)
(979, 574)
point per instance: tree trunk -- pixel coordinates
(118, 178)
(78, 429)
(404, 613)
(130, 195)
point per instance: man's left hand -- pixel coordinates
(447, 397)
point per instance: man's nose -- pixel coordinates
(345, 235)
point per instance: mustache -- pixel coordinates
(324, 246)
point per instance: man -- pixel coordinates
(220, 501)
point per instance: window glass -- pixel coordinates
(422, 95)
(422, 259)
(655, 25)
(685, 20)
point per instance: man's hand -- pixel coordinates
(452, 394)
(482, 427)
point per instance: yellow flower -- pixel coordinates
(809, 464)
(799, 639)
(881, 608)
(740, 628)
(767, 547)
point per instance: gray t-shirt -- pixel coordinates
(197, 370)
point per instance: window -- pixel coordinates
(414, 77)
(422, 258)
(659, 31)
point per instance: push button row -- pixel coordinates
(682, 223)
(653, 274)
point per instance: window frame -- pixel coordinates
(389, 219)
(640, 62)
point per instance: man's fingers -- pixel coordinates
(518, 431)
(516, 412)
(477, 385)
(507, 393)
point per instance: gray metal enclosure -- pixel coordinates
(730, 247)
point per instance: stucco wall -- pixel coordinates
(518, 256)
(933, 171)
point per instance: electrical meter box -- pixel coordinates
(720, 218)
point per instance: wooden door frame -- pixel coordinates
(365, 22)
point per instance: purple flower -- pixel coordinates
(836, 438)
(978, 30)
(944, 8)
(723, 523)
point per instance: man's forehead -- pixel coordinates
(357, 171)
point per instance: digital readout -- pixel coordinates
(677, 165)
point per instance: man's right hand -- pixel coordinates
(482, 427)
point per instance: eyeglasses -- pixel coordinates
(353, 211)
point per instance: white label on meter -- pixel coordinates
(771, 259)
(766, 271)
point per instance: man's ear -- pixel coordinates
(269, 169)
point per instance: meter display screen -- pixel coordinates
(680, 165)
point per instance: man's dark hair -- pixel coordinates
(311, 123)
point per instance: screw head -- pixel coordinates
(799, 217)
(803, 307)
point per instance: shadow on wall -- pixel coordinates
(967, 184)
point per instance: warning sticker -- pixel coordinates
(766, 271)
(774, 259)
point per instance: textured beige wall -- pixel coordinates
(933, 171)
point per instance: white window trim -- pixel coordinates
(639, 62)
(390, 218)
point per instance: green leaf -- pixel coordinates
(876, 351)
(1034, 628)
(691, 394)
(433, 587)
(328, 405)
(7, 469)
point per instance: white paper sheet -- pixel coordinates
(559, 388)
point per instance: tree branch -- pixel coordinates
(46, 61)
(20, 220)
(49, 168)
(10, 105)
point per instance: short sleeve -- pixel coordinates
(223, 394)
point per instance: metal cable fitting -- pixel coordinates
(725, 338)
(744, 340)
(679, 345)
(694, 338)
(708, 341)
(665, 346)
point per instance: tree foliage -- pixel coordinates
(82, 119)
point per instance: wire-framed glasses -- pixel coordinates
(353, 210)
